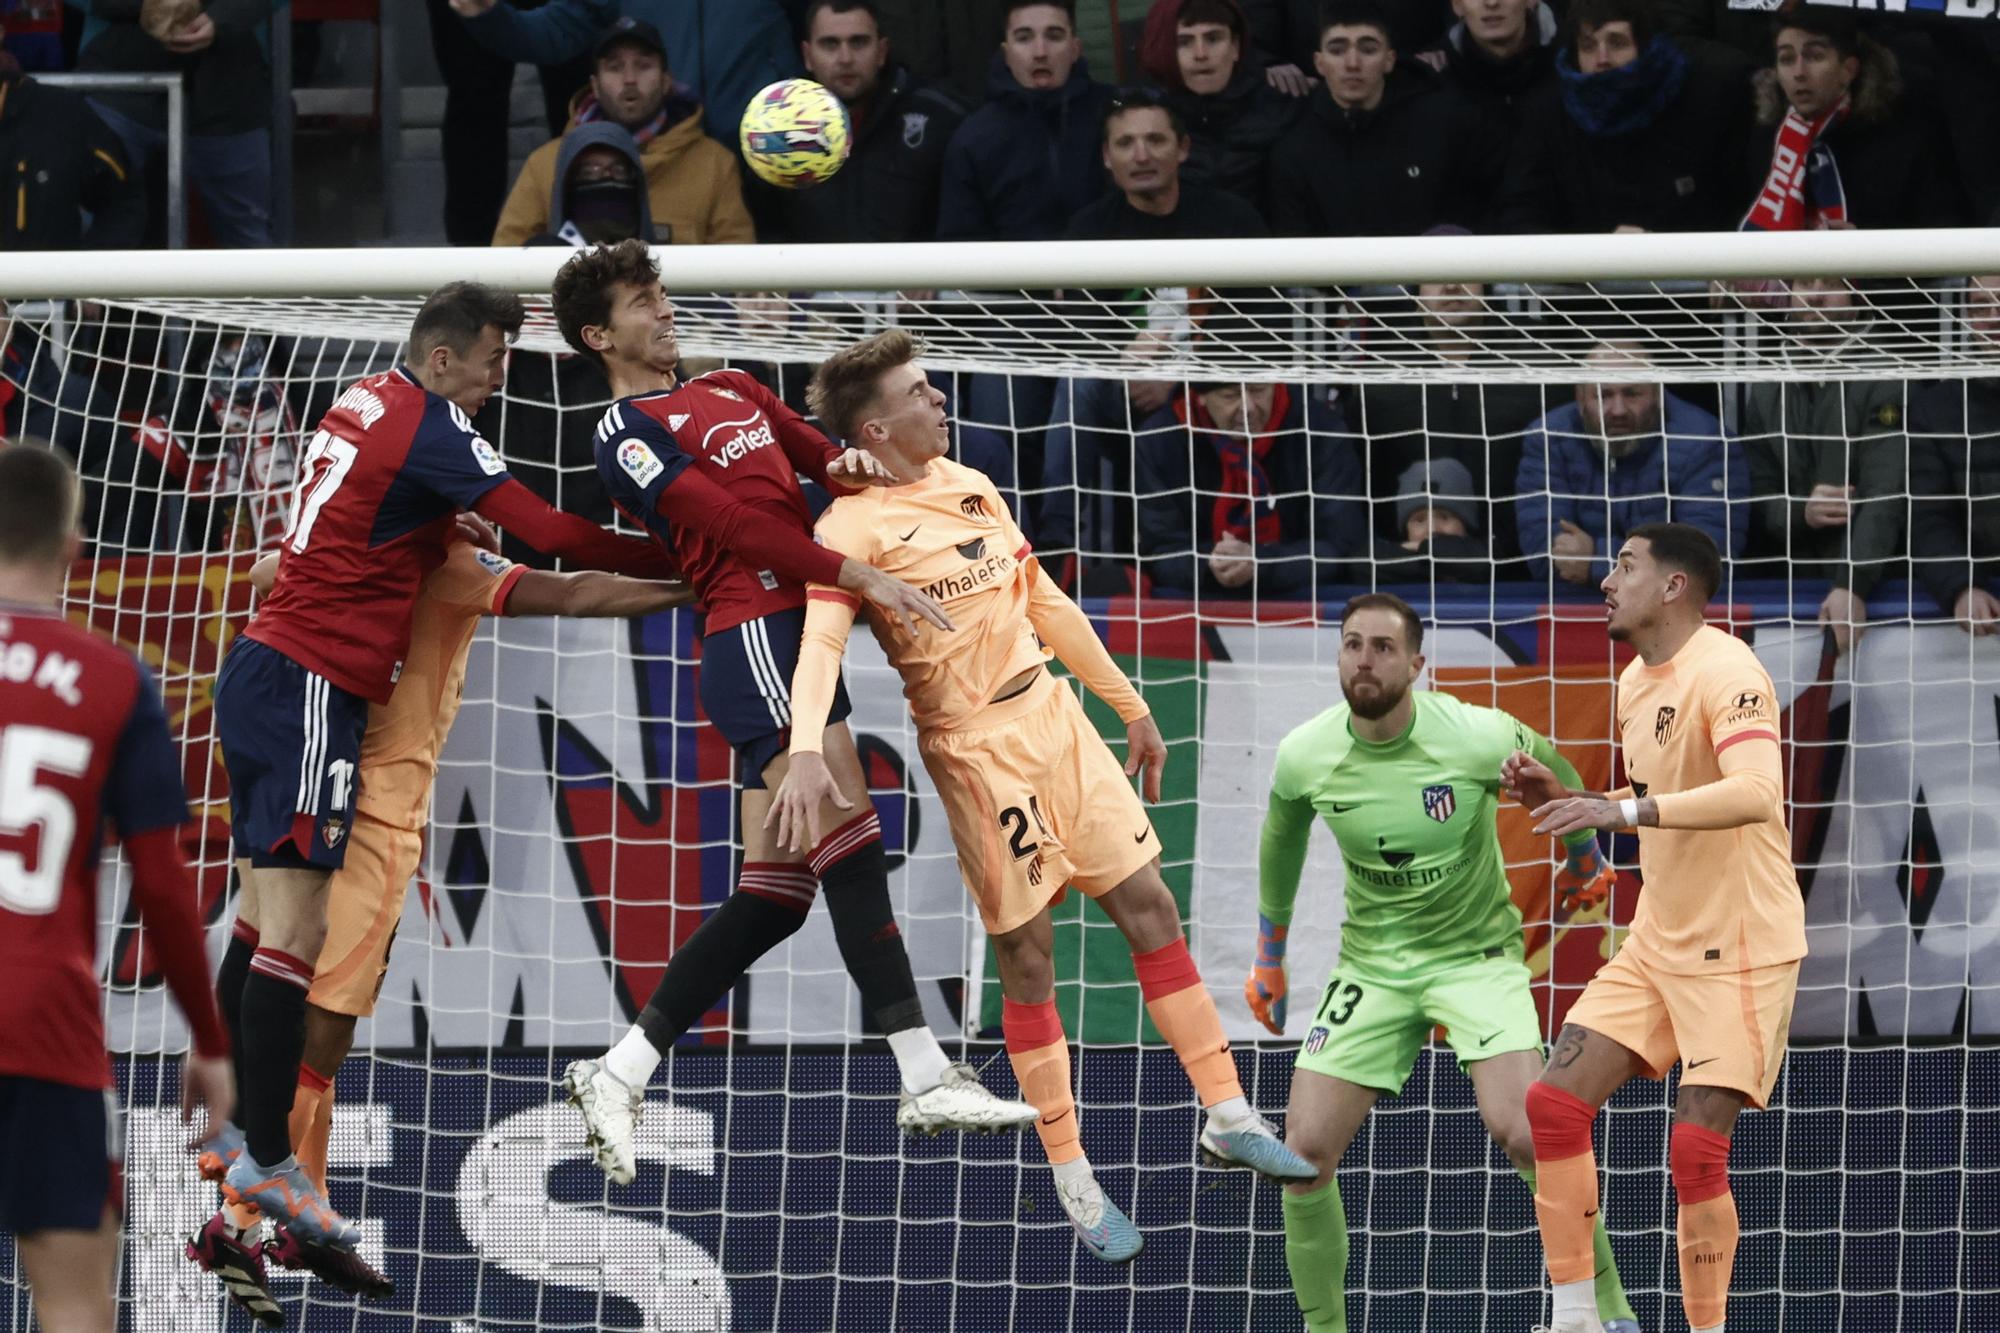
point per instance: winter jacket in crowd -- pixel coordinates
(227, 83)
(1683, 472)
(694, 185)
(1955, 485)
(1023, 164)
(1231, 133)
(1837, 433)
(63, 162)
(1657, 144)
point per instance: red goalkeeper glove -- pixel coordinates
(1585, 878)
(1265, 990)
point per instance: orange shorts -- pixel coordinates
(1728, 1029)
(364, 901)
(1036, 801)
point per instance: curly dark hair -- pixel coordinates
(581, 294)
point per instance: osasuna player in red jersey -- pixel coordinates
(83, 742)
(711, 468)
(381, 483)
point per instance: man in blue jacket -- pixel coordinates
(1249, 491)
(1023, 164)
(724, 49)
(1624, 453)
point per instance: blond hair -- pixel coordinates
(848, 382)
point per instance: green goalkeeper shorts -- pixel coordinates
(1368, 1031)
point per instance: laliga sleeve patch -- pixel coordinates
(489, 461)
(496, 565)
(640, 462)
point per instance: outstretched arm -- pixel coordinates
(591, 592)
(566, 536)
(809, 784)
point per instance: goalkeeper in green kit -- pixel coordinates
(1407, 780)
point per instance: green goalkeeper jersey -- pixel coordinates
(1414, 818)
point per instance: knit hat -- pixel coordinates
(1439, 483)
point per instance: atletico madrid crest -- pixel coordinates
(1439, 802)
(1314, 1040)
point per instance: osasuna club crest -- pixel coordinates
(1663, 725)
(1439, 802)
(914, 125)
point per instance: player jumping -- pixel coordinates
(1035, 799)
(83, 741)
(1709, 970)
(1406, 780)
(382, 481)
(399, 759)
(711, 468)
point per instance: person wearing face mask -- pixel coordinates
(600, 195)
(1640, 132)
(694, 189)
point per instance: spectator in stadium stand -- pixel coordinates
(694, 186)
(1090, 428)
(1438, 532)
(1476, 424)
(1232, 505)
(1284, 35)
(1023, 164)
(1641, 132)
(1384, 149)
(1623, 454)
(600, 194)
(887, 190)
(1955, 479)
(949, 45)
(726, 49)
(1838, 144)
(478, 102)
(1828, 460)
(222, 52)
(1233, 115)
(73, 188)
(1496, 58)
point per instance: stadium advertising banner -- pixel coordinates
(583, 821)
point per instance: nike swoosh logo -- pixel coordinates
(911, 533)
(1696, 1064)
(1340, 809)
(1489, 1037)
(1142, 835)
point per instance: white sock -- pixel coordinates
(1576, 1298)
(1079, 1169)
(1231, 1113)
(919, 1058)
(1716, 1329)
(633, 1059)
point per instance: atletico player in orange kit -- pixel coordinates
(1708, 973)
(1035, 799)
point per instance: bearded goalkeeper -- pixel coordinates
(1407, 781)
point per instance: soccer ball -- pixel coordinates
(795, 133)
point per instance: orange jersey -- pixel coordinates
(399, 751)
(951, 535)
(1715, 899)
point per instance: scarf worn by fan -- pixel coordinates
(1627, 99)
(1803, 191)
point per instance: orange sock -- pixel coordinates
(1184, 1012)
(312, 1099)
(1038, 1049)
(1565, 1182)
(1706, 1227)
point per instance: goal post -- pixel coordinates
(1137, 401)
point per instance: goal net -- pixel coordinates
(1214, 464)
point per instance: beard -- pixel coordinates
(1379, 704)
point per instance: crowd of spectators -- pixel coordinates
(1233, 119)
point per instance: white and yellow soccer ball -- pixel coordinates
(795, 133)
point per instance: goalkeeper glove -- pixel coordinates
(1585, 878)
(1265, 990)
